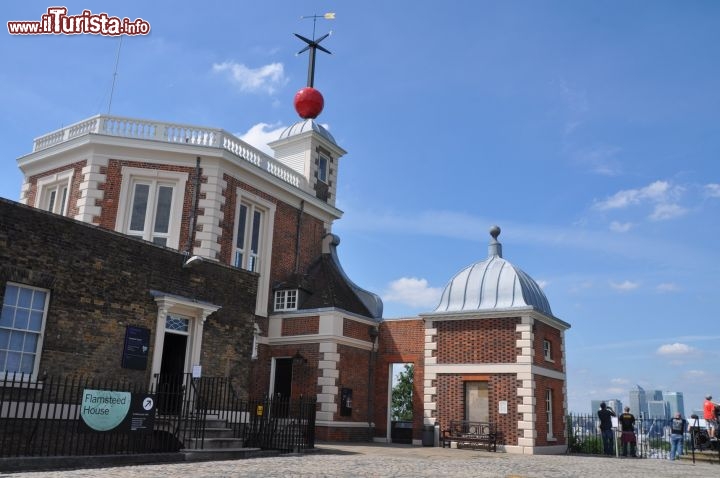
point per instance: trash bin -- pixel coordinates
(401, 432)
(428, 435)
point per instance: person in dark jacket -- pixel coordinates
(605, 415)
(627, 427)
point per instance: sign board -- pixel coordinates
(502, 407)
(105, 410)
(136, 347)
(259, 410)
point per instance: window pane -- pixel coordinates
(13, 362)
(25, 298)
(11, 293)
(4, 339)
(22, 317)
(38, 301)
(139, 209)
(255, 232)
(35, 321)
(238, 259)
(51, 201)
(7, 316)
(162, 214)
(242, 219)
(160, 241)
(16, 340)
(176, 323)
(3, 357)
(252, 264)
(63, 200)
(26, 363)
(30, 343)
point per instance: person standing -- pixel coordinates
(605, 415)
(627, 427)
(709, 415)
(677, 433)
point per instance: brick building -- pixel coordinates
(262, 225)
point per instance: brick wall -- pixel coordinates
(356, 330)
(553, 335)
(400, 341)
(477, 341)
(542, 384)
(451, 401)
(100, 282)
(285, 231)
(300, 325)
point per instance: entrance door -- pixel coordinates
(476, 402)
(172, 374)
(282, 387)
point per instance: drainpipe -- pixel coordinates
(373, 332)
(193, 209)
(297, 235)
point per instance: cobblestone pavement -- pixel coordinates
(368, 460)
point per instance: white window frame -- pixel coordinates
(264, 253)
(549, 413)
(323, 171)
(59, 184)
(155, 178)
(286, 299)
(547, 350)
(40, 333)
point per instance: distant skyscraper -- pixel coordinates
(638, 401)
(675, 402)
(655, 395)
(657, 409)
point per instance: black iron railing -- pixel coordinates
(652, 436)
(43, 417)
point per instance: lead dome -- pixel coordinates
(492, 284)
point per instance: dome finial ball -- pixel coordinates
(495, 232)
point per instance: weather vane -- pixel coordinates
(308, 101)
(314, 44)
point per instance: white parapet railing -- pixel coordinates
(171, 133)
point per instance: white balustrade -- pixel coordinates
(171, 133)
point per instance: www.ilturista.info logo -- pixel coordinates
(57, 22)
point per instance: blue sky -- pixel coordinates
(588, 131)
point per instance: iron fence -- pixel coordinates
(46, 417)
(652, 435)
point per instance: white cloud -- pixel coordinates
(712, 190)
(676, 349)
(667, 211)
(656, 192)
(252, 80)
(667, 287)
(261, 134)
(601, 160)
(413, 292)
(624, 286)
(620, 226)
(542, 283)
(695, 374)
(620, 381)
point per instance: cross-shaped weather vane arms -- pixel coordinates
(314, 45)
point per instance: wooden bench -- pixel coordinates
(470, 434)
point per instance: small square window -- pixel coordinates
(286, 300)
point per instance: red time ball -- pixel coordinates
(308, 102)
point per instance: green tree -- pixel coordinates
(402, 394)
